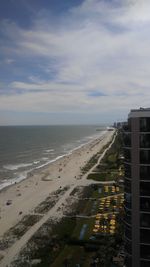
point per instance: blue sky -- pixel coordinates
(73, 61)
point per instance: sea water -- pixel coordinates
(25, 148)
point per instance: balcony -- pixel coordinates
(145, 157)
(144, 140)
(144, 263)
(145, 172)
(145, 204)
(144, 124)
(145, 236)
(145, 220)
(145, 189)
(145, 252)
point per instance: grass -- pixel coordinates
(102, 176)
(70, 255)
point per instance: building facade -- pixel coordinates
(136, 136)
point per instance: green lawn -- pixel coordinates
(103, 176)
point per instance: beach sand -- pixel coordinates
(29, 193)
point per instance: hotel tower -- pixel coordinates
(136, 136)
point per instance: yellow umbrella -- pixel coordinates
(112, 221)
(97, 217)
(112, 231)
(95, 230)
(112, 227)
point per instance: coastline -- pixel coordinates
(26, 174)
(28, 194)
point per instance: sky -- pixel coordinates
(73, 61)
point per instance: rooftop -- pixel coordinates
(141, 112)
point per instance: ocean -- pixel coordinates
(25, 148)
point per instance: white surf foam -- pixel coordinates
(13, 167)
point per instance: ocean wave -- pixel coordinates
(44, 159)
(49, 151)
(13, 167)
(36, 162)
(51, 161)
(6, 183)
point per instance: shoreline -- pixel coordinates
(28, 196)
(31, 172)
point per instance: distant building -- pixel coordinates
(136, 136)
(120, 124)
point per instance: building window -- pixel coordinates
(144, 188)
(145, 220)
(145, 236)
(145, 252)
(145, 156)
(144, 124)
(145, 140)
(145, 172)
(144, 263)
(145, 204)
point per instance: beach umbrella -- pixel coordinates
(112, 227)
(98, 217)
(112, 231)
(95, 230)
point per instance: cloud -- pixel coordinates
(96, 94)
(96, 59)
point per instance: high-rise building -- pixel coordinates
(136, 135)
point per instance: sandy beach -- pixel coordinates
(25, 196)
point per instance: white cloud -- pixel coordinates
(100, 46)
